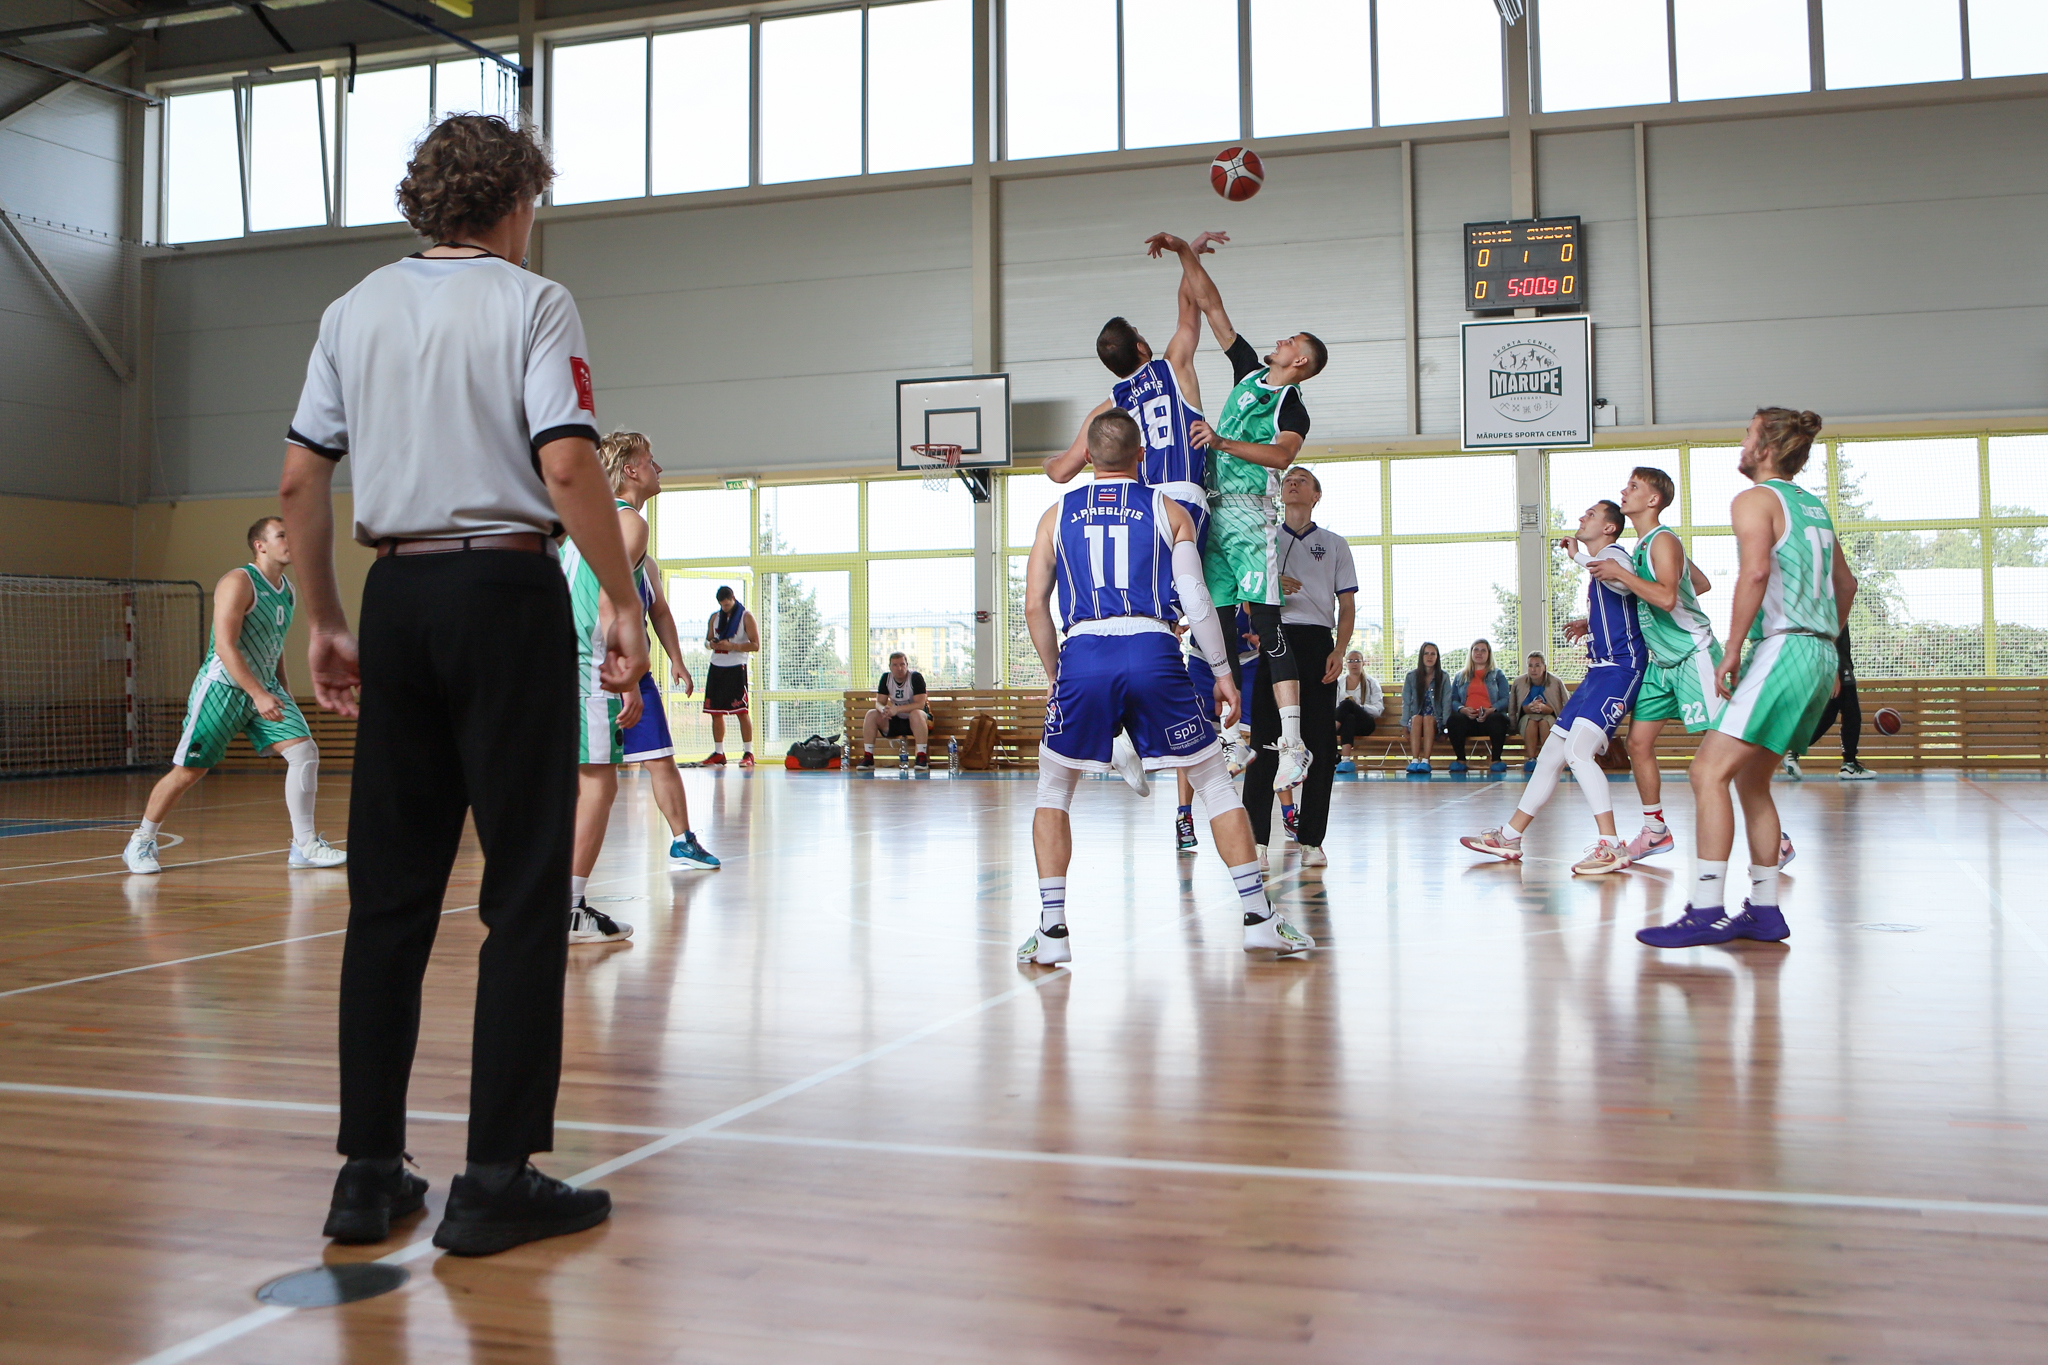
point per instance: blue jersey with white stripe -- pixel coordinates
(1152, 397)
(1112, 557)
(1614, 632)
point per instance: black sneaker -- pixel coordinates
(533, 1206)
(367, 1199)
(924, 759)
(867, 760)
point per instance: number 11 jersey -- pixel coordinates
(1113, 556)
(1153, 399)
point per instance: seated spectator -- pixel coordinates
(1533, 703)
(1425, 703)
(900, 703)
(1479, 706)
(1360, 704)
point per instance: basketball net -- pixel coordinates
(938, 462)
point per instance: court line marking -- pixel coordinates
(166, 841)
(712, 1128)
(124, 872)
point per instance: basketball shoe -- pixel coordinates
(1698, 928)
(480, 1221)
(1786, 853)
(1274, 934)
(317, 852)
(715, 760)
(1290, 820)
(686, 852)
(1295, 760)
(1046, 947)
(747, 759)
(1260, 851)
(1852, 771)
(1649, 843)
(1605, 856)
(1498, 842)
(1237, 754)
(1792, 769)
(924, 758)
(1312, 856)
(367, 1197)
(1184, 832)
(140, 855)
(1123, 756)
(595, 926)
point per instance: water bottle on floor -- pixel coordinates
(952, 755)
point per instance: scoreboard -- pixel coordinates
(1526, 263)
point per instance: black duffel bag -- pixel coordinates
(816, 754)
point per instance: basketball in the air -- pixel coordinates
(1887, 721)
(1237, 173)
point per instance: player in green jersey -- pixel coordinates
(1796, 581)
(1256, 434)
(241, 690)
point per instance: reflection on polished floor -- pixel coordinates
(1480, 1123)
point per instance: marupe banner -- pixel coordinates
(1527, 382)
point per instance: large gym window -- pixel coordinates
(810, 97)
(920, 85)
(1733, 48)
(2008, 37)
(1060, 77)
(1311, 66)
(202, 168)
(288, 154)
(1596, 54)
(1180, 72)
(699, 110)
(1439, 62)
(387, 114)
(599, 101)
(1891, 42)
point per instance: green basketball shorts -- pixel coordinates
(1786, 683)
(218, 710)
(598, 739)
(1683, 692)
(1239, 565)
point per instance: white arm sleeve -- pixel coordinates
(1195, 603)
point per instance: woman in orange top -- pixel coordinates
(1480, 692)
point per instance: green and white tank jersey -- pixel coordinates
(1676, 635)
(583, 595)
(261, 638)
(1800, 599)
(1251, 414)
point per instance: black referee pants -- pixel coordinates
(1311, 647)
(468, 704)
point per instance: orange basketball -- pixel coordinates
(1887, 721)
(1237, 173)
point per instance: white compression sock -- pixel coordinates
(1550, 761)
(1763, 884)
(1586, 741)
(1251, 890)
(1710, 892)
(717, 746)
(1052, 902)
(1290, 725)
(301, 784)
(577, 885)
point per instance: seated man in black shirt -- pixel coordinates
(900, 702)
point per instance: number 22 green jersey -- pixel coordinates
(1676, 635)
(1800, 599)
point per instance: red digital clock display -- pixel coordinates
(1536, 286)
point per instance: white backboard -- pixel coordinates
(969, 411)
(1526, 382)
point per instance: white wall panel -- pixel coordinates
(1318, 250)
(1455, 183)
(1867, 264)
(770, 336)
(60, 405)
(1593, 176)
(232, 336)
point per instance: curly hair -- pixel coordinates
(616, 451)
(469, 172)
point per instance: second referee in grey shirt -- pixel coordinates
(1317, 614)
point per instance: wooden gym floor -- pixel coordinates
(1481, 1123)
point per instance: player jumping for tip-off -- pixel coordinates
(1163, 395)
(1795, 581)
(241, 690)
(1120, 552)
(1257, 433)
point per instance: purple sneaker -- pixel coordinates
(1764, 923)
(1693, 929)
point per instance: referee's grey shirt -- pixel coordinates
(443, 378)
(1321, 559)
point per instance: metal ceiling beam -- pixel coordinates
(78, 77)
(63, 291)
(525, 75)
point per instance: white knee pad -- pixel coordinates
(1585, 745)
(302, 767)
(1210, 777)
(1056, 784)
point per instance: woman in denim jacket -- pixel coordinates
(1425, 705)
(1479, 706)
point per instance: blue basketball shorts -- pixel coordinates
(1204, 679)
(649, 738)
(1605, 697)
(1135, 683)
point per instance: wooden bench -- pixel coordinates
(1984, 723)
(1019, 714)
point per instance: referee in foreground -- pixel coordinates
(1316, 615)
(459, 384)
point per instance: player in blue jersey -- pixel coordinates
(1163, 395)
(1614, 642)
(1120, 552)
